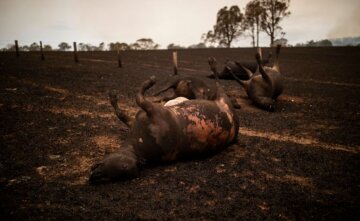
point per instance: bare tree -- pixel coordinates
(274, 12)
(252, 21)
(228, 26)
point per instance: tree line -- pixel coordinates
(312, 43)
(140, 44)
(259, 16)
(32, 47)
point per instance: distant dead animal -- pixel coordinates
(263, 86)
(159, 133)
(190, 88)
(238, 68)
(185, 86)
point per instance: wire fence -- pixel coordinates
(15, 47)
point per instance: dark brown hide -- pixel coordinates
(165, 134)
(266, 85)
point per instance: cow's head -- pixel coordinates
(116, 166)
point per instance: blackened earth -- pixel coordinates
(300, 162)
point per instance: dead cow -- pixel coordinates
(166, 134)
(265, 85)
(190, 88)
(238, 68)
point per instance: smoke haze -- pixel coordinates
(348, 25)
(177, 21)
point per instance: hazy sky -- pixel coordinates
(165, 21)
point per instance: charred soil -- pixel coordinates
(300, 162)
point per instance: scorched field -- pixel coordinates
(300, 162)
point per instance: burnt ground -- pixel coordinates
(299, 163)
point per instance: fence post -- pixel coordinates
(17, 48)
(175, 62)
(118, 56)
(76, 59)
(42, 52)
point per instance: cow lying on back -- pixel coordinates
(265, 85)
(158, 133)
(238, 69)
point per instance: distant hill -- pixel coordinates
(354, 41)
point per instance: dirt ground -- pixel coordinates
(300, 162)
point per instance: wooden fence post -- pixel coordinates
(118, 56)
(42, 52)
(76, 58)
(175, 62)
(17, 48)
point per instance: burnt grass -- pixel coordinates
(300, 162)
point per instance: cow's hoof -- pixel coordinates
(153, 79)
(212, 61)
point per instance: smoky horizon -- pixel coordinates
(165, 22)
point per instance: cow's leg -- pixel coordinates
(123, 117)
(144, 103)
(172, 83)
(244, 83)
(263, 73)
